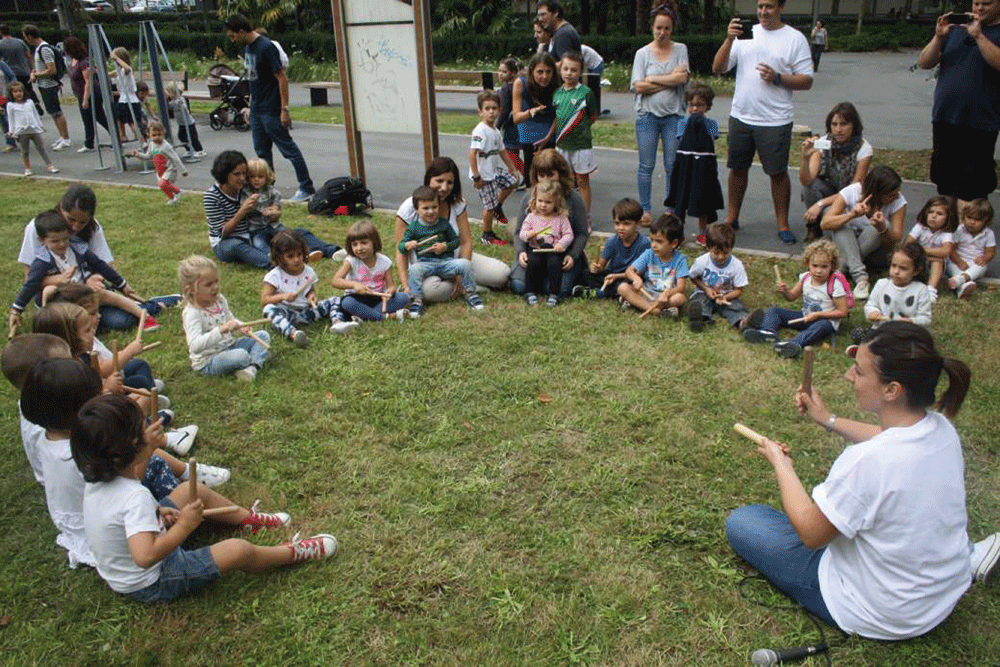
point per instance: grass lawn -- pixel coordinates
(518, 486)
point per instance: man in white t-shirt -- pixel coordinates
(769, 66)
(46, 76)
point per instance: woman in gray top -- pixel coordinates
(659, 76)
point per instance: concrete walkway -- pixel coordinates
(894, 104)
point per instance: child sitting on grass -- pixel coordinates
(209, 325)
(547, 235)
(137, 542)
(719, 279)
(656, 281)
(900, 296)
(288, 294)
(618, 253)
(366, 278)
(936, 222)
(434, 242)
(975, 248)
(825, 301)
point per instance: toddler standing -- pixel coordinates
(187, 130)
(490, 167)
(25, 126)
(166, 162)
(576, 111)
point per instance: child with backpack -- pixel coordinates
(826, 299)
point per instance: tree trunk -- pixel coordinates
(584, 17)
(642, 8)
(708, 24)
(862, 10)
(835, 8)
(602, 18)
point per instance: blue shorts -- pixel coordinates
(181, 572)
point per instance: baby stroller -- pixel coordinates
(234, 91)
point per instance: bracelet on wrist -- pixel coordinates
(830, 422)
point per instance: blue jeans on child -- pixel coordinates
(734, 312)
(809, 334)
(242, 353)
(234, 249)
(764, 538)
(286, 319)
(116, 319)
(137, 374)
(650, 130)
(261, 239)
(443, 267)
(369, 307)
(181, 572)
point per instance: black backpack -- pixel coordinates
(60, 59)
(341, 191)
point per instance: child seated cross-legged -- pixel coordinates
(288, 294)
(618, 253)
(366, 278)
(826, 300)
(655, 282)
(209, 325)
(548, 235)
(719, 279)
(975, 248)
(434, 241)
(136, 542)
(900, 296)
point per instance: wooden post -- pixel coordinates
(425, 77)
(355, 156)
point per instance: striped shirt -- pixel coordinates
(220, 208)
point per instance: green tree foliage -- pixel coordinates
(264, 13)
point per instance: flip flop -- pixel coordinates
(787, 237)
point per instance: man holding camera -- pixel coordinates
(966, 114)
(772, 59)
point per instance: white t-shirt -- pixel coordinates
(852, 195)
(901, 560)
(126, 87)
(591, 58)
(31, 244)
(816, 299)
(971, 248)
(912, 301)
(33, 438)
(758, 102)
(201, 328)
(488, 144)
(64, 498)
(929, 238)
(286, 282)
(408, 213)
(371, 277)
(720, 278)
(113, 512)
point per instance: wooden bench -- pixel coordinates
(319, 91)
(167, 77)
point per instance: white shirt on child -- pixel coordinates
(929, 238)
(22, 119)
(912, 301)
(488, 144)
(371, 277)
(971, 248)
(815, 298)
(282, 281)
(31, 244)
(33, 438)
(900, 562)
(852, 195)
(113, 512)
(201, 328)
(720, 278)
(64, 498)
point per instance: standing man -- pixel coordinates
(769, 66)
(268, 112)
(564, 36)
(966, 114)
(16, 54)
(49, 85)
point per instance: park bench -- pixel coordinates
(319, 90)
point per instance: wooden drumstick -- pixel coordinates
(748, 433)
(797, 320)
(114, 356)
(220, 510)
(153, 404)
(193, 468)
(142, 325)
(648, 311)
(304, 288)
(259, 340)
(253, 323)
(777, 274)
(138, 391)
(807, 369)
(152, 345)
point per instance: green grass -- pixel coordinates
(480, 523)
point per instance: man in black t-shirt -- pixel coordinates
(564, 36)
(268, 112)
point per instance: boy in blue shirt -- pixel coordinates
(617, 255)
(655, 282)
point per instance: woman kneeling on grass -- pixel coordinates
(880, 549)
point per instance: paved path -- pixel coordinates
(394, 162)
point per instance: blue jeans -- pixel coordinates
(809, 334)
(267, 130)
(764, 538)
(242, 353)
(650, 130)
(369, 307)
(261, 239)
(181, 572)
(442, 268)
(240, 250)
(519, 285)
(6, 128)
(114, 318)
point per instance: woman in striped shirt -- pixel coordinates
(226, 212)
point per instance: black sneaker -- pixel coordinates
(489, 238)
(695, 319)
(581, 292)
(416, 309)
(754, 320)
(498, 215)
(787, 349)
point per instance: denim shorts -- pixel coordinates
(181, 572)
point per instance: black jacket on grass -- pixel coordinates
(694, 182)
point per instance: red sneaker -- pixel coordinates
(490, 238)
(258, 521)
(316, 547)
(701, 241)
(151, 325)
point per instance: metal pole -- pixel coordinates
(99, 69)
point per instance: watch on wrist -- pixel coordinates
(777, 78)
(830, 422)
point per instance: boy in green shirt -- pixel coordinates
(576, 111)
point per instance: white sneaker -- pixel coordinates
(162, 402)
(210, 476)
(248, 374)
(316, 547)
(400, 314)
(861, 289)
(339, 256)
(27, 172)
(984, 559)
(159, 385)
(52, 169)
(343, 327)
(173, 200)
(200, 153)
(84, 149)
(61, 144)
(966, 290)
(179, 440)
